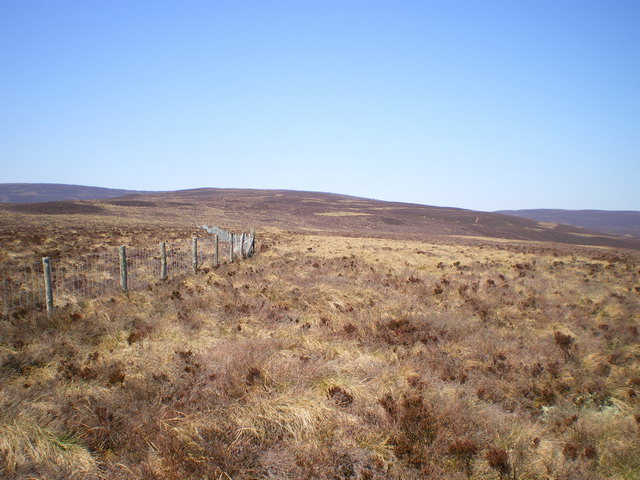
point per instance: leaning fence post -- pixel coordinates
(194, 254)
(163, 261)
(123, 269)
(216, 261)
(242, 252)
(231, 249)
(46, 265)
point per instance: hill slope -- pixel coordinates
(310, 211)
(54, 192)
(613, 222)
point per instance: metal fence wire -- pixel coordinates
(22, 286)
(87, 276)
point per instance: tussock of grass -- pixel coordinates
(25, 447)
(282, 415)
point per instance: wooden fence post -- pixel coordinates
(194, 254)
(231, 249)
(123, 269)
(242, 239)
(216, 260)
(163, 261)
(46, 265)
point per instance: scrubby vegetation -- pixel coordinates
(339, 358)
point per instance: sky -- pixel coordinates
(479, 104)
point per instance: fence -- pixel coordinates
(243, 244)
(43, 282)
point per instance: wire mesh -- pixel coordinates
(207, 252)
(143, 267)
(88, 276)
(93, 275)
(178, 259)
(22, 288)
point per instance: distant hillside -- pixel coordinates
(54, 192)
(288, 210)
(613, 222)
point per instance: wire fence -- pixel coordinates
(23, 286)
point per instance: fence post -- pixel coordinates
(5, 313)
(242, 239)
(252, 247)
(216, 261)
(163, 261)
(123, 268)
(46, 265)
(231, 249)
(194, 254)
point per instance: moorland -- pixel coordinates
(363, 340)
(613, 222)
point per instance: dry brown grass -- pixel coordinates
(334, 357)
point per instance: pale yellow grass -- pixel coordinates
(548, 225)
(343, 214)
(592, 235)
(294, 414)
(24, 445)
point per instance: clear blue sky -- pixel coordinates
(477, 104)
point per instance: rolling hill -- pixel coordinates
(315, 212)
(54, 192)
(612, 222)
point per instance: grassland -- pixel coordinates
(330, 356)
